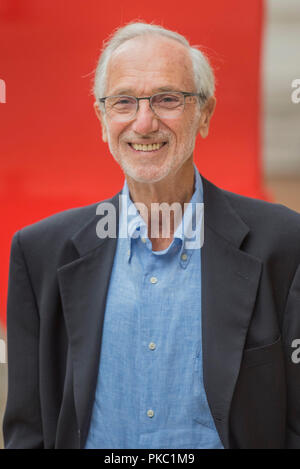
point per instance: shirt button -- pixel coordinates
(143, 240)
(184, 257)
(150, 413)
(152, 346)
(153, 280)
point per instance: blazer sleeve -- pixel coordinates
(22, 426)
(291, 339)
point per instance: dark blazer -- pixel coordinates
(59, 276)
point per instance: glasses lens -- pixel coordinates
(120, 107)
(168, 104)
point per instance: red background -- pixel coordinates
(52, 156)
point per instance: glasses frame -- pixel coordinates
(185, 94)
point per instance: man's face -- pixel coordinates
(142, 67)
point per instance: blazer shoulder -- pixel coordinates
(274, 229)
(256, 212)
(58, 227)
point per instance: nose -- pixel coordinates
(145, 120)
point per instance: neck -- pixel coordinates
(175, 188)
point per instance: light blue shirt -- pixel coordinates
(150, 391)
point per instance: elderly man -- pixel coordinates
(156, 339)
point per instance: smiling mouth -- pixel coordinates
(148, 147)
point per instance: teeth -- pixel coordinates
(153, 146)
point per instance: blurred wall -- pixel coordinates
(281, 66)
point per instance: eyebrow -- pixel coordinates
(130, 92)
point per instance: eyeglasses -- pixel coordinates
(167, 105)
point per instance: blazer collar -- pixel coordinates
(85, 239)
(221, 217)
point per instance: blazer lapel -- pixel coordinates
(83, 287)
(230, 279)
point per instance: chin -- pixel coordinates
(146, 175)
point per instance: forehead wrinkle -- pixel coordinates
(129, 61)
(136, 61)
(131, 91)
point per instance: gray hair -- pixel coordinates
(203, 73)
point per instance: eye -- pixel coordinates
(167, 100)
(122, 101)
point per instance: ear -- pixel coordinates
(206, 114)
(100, 116)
